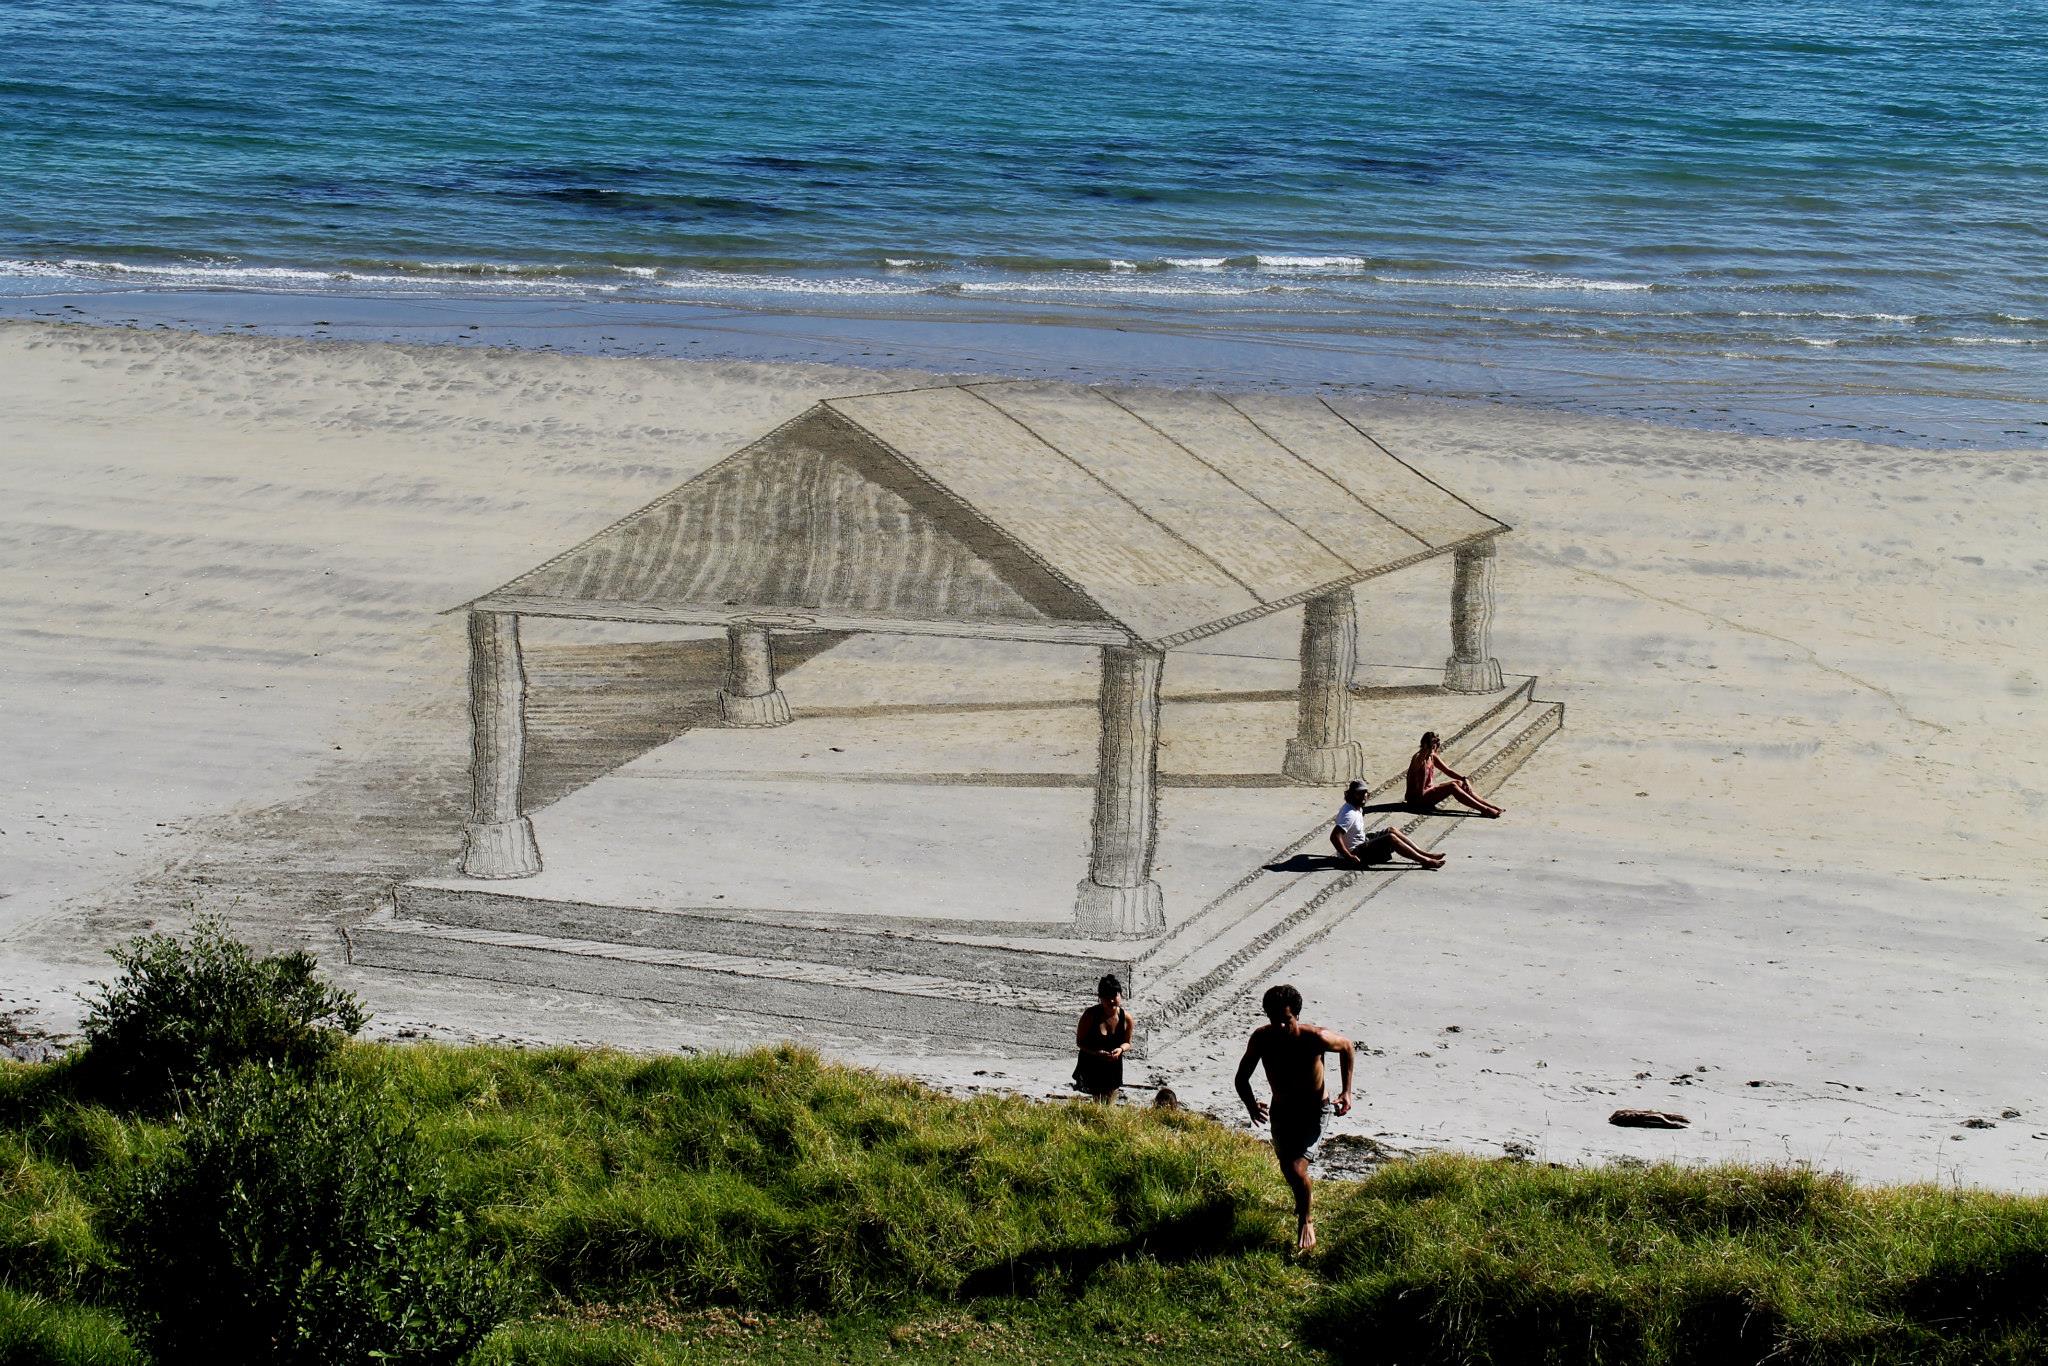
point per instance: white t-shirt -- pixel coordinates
(1351, 821)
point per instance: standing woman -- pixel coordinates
(1102, 1036)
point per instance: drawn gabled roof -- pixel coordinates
(1016, 510)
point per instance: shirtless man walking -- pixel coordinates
(1292, 1052)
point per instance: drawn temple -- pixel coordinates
(1132, 523)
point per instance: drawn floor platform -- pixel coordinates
(911, 865)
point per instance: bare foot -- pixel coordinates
(1306, 1241)
(1435, 863)
(1496, 813)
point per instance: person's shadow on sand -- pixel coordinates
(1328, 863)
(1405, 809)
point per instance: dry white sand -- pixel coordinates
(1782, 872)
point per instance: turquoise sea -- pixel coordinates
(1836, 208)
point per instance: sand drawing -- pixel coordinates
(858, 844)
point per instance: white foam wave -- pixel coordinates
(1098, 288)
(643, 272)
(1518, 280)
(512, 268)
(1197, 262)
(205, 271)
(216, 275)
(722, 282)
(1309, 262)
(1840, 317)
(1996, 341)
(31, 270)
(907, 263)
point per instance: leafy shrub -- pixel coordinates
(299, 1225)
(182, 1012)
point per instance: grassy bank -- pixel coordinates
(771, 1207)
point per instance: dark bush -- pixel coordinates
(182, 1012)
(297, 1225)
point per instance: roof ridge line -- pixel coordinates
(1329, 550)
(1116, 492)
(974, 513)
(1260, 428)
(1410, 468)
(649, 506)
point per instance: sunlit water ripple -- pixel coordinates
(1846, 196)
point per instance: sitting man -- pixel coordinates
(1358, 846)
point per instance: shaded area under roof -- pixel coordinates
(1016, 510)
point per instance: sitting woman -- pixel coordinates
(1358, 845)
(1103, 1036)
(1425, 792)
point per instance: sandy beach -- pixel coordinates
(1782, 872)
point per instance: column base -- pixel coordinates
(1308, 763)
(766, 709)
(500, 849)
(1119, 912)
(1472, 675)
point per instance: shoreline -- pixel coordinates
(1784, 662)
(1750, 396)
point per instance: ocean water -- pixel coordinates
(1843, 201)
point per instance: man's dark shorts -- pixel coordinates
(1295, 1130)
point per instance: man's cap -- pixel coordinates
(1353, 786)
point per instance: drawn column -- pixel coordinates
(1472, 667)
(1118, 898)
(1322, 750)
(750, 697)
(499, 840)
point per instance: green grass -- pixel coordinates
(37, 1332)
(1453, 1260)
(769, 1207)
(774, 1181)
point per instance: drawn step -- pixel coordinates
(920, 947)
(1262, 885)
(1228, 970)
(1038, 1021)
